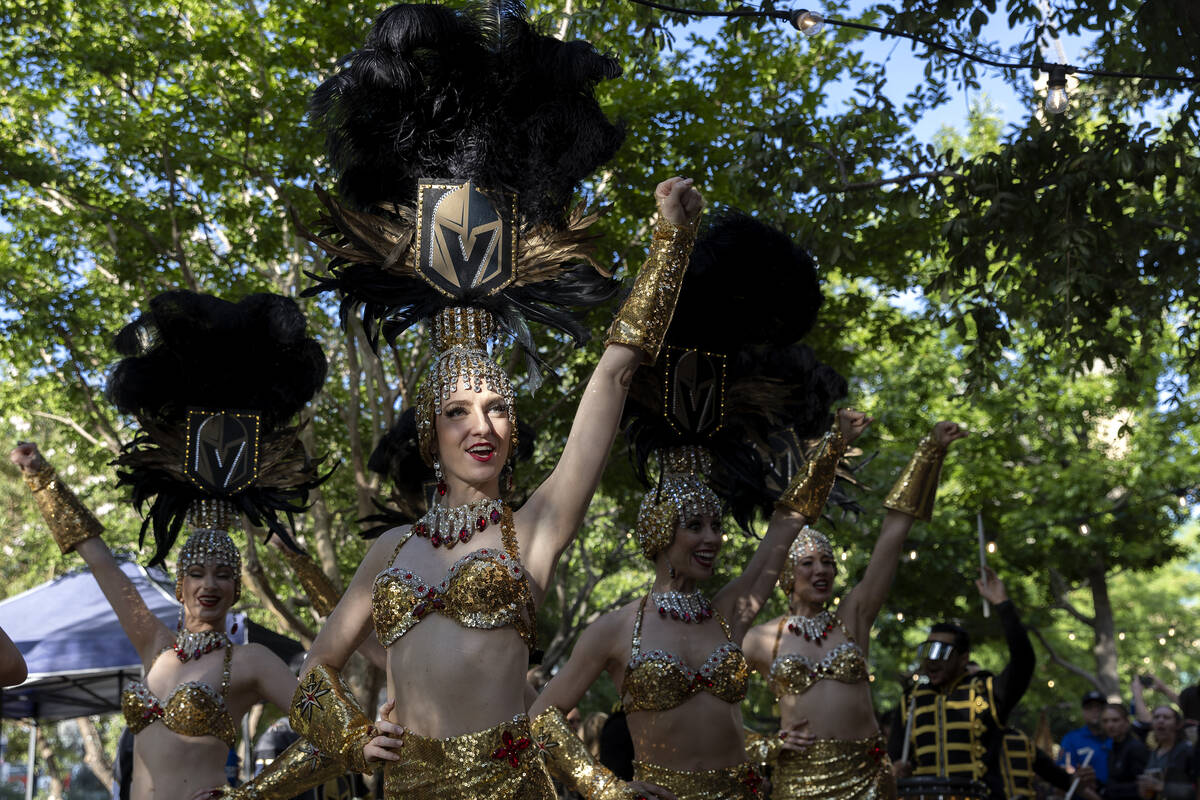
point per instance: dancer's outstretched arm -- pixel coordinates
(552, 515)
(862, 604)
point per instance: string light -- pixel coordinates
(1085, 529)
(991, 547)
(1071, 636)
(900, 616)
(912, 555)
(1056, 101)
(810, 23)
(1050, 684)
(1170, 631)
(1162, 640)
(1121, 636)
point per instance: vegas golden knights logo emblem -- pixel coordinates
(695, 391)
(222, 450)
(464, 246)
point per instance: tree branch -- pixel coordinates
(1067, 665)
(1059, 588)
(899, 179)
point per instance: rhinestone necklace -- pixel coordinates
(447, 526)
(813, 629)
(190, 645)
(682, 606)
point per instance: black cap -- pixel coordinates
(1094, 697)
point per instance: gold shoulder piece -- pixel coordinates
(916, 488)
(69, 520)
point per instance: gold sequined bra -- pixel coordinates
(193, 708)
(793, 673)
(659, 681)
(486, 588)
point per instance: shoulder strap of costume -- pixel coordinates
(636, 648)
(724, 625)
(225, 681)
(526, 624)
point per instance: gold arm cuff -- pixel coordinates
(69, 520)
(762, 748)
(297, 769)
(643, 318)
(325, 712)
(571, 763)
(316, 584)
(916, 488)
(809, 490)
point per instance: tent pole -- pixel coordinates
(30, 772)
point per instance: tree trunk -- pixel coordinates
(53, 770)
(93, 751)
(1104, 642)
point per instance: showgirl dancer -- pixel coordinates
(504, 123)
(725, 381)
(213, 386)
(815, 660)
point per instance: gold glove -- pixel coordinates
(916, 487)
(69, 520)
(296, 770)
(642, 320)
(809, 490)
(762, 748)
(571, 763)
(316, 584)
(325, 712)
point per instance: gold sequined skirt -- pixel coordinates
(743, 782)
(500, 763)
(835, 769)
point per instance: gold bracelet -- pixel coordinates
(644, 317)
(325, 712)
(296, 770)
(809, 490)
(570, 762)
(69, 520)
(916, 488)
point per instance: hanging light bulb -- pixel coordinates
(808, 22)
(1056, 94)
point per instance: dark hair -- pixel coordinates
(1119, 708)
(616, 746)
(962, 640)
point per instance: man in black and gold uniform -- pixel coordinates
(958, 717)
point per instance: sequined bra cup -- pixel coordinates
(659, 681)
(486, 588)
(192, 709)
(793, 673)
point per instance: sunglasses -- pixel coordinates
(936, 651)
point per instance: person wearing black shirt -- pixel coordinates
(1128, 755)
(958, 708)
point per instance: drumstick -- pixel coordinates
(907, 729)
(1075, 783)
(982, 560)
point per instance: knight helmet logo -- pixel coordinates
(695, 391)
(222, 450)
(464, 246)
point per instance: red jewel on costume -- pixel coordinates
(511, 749)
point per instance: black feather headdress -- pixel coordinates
(733, 381)
(448, 95)
(193, 360)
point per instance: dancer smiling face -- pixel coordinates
(209, 590)
(692, 554)
(813, 582)
(474, 432)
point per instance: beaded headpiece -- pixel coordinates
(461, 335)
(682, 494)
(809, 542)
(208, 546)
